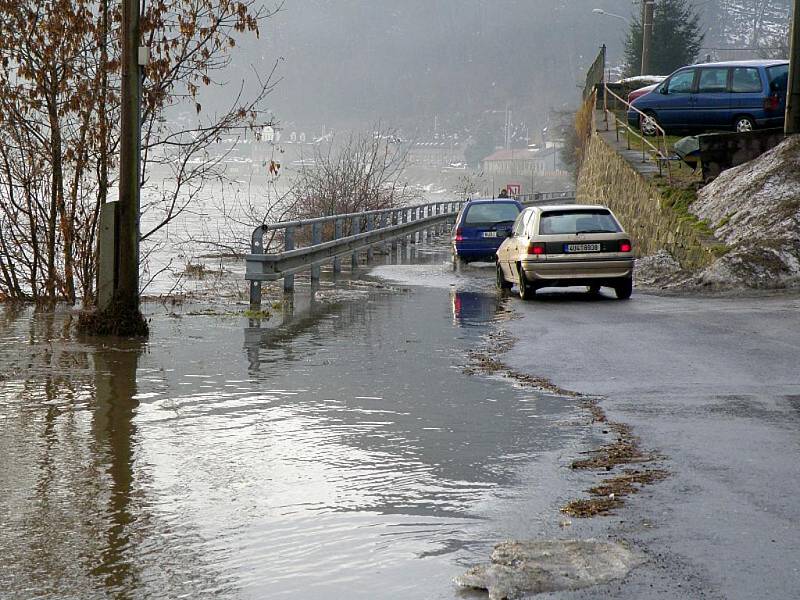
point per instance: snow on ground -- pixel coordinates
(755, 209)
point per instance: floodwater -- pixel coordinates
(339, 451)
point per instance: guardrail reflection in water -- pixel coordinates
(347, 234)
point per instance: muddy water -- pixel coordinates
(342, 453)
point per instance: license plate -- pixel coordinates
(582, 247)
(490, 234)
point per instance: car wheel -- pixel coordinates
(502, 284)
(526, 289)
(744, 124)
(648, 124)
(624, 288)
(594, 290)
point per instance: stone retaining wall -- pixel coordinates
(607, 178)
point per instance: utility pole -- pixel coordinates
(127, 291)
(792, 124)
(647, 35)
(508, 127)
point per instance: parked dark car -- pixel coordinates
(739, 95)
(480, 228)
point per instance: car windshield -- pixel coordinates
(490, 213)
(578, 221)
(779, 76)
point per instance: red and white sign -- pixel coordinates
(513, 189)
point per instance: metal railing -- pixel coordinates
(660, 155)
(347, 234)
(547, 198)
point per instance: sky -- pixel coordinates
(429, 61)
(417, 64)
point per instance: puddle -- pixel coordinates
(340, 451)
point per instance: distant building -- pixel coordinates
(436, 153)
(544, 162)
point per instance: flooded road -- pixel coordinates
(337, 451)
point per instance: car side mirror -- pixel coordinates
(509, 233)
(664, 91)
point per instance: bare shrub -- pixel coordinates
(363, 173)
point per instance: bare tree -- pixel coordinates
(364, 173)
(59, 106)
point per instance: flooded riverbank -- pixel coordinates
(342, 452)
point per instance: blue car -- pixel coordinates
(740, 95)
(481, 226)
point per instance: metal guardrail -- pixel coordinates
(547, 198)
(660, 155)
(348, 234)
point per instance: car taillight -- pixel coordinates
(459, 235)
(772, 103)
(536, 249)
(625, 246)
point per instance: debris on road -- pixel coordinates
(519, 567)
(625, 450)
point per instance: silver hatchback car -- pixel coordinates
(559, 246)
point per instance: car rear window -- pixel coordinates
(779, 76)
(578, 221)
(495, 212)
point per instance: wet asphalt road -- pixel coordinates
(713, 384)
(346, 454)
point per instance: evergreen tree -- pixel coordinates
(676, 41)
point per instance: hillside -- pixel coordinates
(755, 210)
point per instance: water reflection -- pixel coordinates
(114, 433)
(336, 452)
(473, 308)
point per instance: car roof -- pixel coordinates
(552, 207)
(492, 200)
(742, 63)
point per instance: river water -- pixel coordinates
(337, 451)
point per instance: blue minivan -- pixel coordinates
(740, 95)
(481, 226)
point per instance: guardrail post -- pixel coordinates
(395, 221)
(288, 244)
(429, 229)
(384, 220)
(337, 233)
(370, 227)
(316, 238)
(404, 220)
(256, 247)
(356, 221)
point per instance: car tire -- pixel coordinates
(624, 288)
(594, 290)
(526, 289)
(502, 284)
(743, 124)
(646, 128)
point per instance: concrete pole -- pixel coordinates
(647, 34)
(128, 264)
(792, 125)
